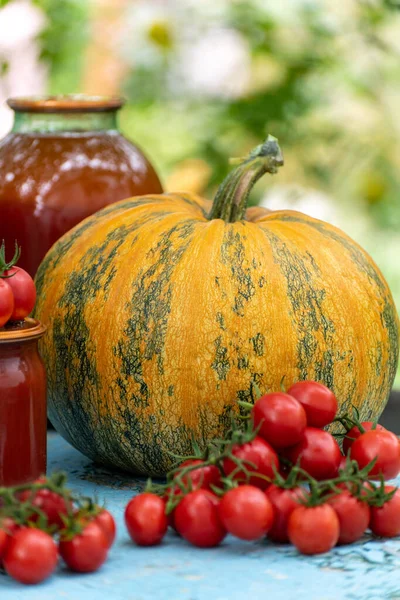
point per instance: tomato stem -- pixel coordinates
(4, 265)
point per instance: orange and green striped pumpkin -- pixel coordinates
(162, 311)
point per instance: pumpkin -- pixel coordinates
(164, 310)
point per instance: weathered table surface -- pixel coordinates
(369, 570)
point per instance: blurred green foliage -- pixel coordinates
(63, 42)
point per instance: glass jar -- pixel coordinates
(64, 160)
(22, 404)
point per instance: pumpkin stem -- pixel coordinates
(230, 202)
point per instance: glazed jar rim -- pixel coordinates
(65, 103)
(34, 330)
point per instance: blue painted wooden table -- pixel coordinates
(369, 570)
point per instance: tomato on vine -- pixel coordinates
(203, 476)
(383, 446)
(385, 519)
(246, 512)
(86, 551)
(106, 522)
(3, 542)
(53, 505)
(355, 432)
(31, 556)
(319, 402)
(23, 290)
(284, 502)
(198, 521)
(146, 520)
(6, 302)
(256, 457)
(353, 515)
(280, 419)
(17, 289)
(7, 529)
(318, 454)
(315, 529)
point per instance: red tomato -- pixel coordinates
(50, 503)
(314, 530)
(284, 502)
(261, 454)
(381, 444)
(385, 520)
(246, 512)
(31, 556)
(318, 454)
(354, 433)
(106, 522)
(3, 542)
(280, 419)
(318, 401)
(353, 516)
(146, 520)
(6, 302)
(24, 292)
(197, 519)
(7, 529)
(203, 477)
(86, 551)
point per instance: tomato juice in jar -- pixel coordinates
(64, 160)
(23, 420)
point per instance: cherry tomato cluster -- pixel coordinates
(17, 289)
(43, 521)
(282, 476)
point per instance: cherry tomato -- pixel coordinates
(86, 551)
(284, 502)
(7, 529)
(106, 522)
(51, 504)
(353, 515)
(318, 401)
(23, 290)
(8, 525)
(354, 433)
(246, 512)
(261, 455)
(6, 302)
(318, 454)
(385, 520)
(146, 520)
(203, 477)
(314, 530)
(280, 419)
(3, 542)
(381, 444)
(197, 519)
(31, 556)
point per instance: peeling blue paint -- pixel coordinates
(368, 570)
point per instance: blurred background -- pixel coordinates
(205, 80)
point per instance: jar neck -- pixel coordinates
(36, 122)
